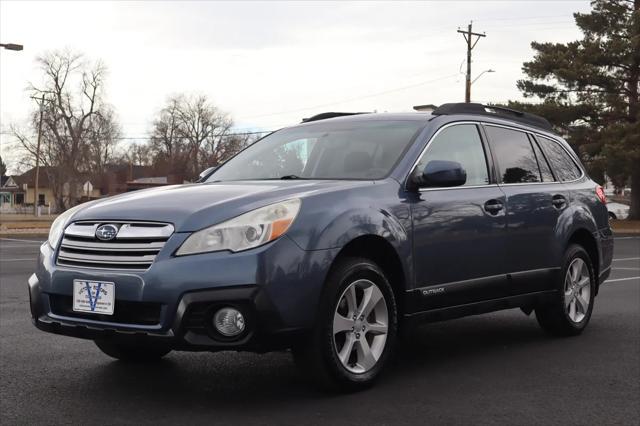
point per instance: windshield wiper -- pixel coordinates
(290, 177)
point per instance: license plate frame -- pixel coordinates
(94, 297)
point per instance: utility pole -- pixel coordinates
(36, 211)
(471, 43)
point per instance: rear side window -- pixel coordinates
(545, 170)
(514, 154)
(566, 169)
(460, 143)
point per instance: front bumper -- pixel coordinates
(276, 286)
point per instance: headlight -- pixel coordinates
(244, 232)
(55, 232)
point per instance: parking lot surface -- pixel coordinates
(497, 368)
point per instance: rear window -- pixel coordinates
(565, 168)
(514, 154)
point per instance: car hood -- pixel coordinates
(196, 206)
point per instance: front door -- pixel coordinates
(459, 233)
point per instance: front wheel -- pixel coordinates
(132, 352)
(569, 313)
(356, 328)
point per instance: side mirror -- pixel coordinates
(441, 174)
(204, 175)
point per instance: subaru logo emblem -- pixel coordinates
(106, 232)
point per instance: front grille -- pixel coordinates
(140, 313)
(134, 247)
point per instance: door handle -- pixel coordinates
(493, 206)
(559, 201)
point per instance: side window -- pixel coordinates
(514, 155)
(460, 143)
(566, 169)
(545, 170)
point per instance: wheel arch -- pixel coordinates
(382, 253)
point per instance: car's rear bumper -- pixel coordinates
(605, 240)
(276, 287)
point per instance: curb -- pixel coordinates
(36, 233)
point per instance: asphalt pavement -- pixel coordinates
(497, 368)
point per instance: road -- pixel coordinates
(493, 369)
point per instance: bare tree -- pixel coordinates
(190, 133)
(79, 129)
(203, 127)
(103, 136)
(166, 143)
(226, 147)
(137, 154)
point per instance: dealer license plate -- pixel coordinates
(97, 297)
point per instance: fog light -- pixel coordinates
(229, 322)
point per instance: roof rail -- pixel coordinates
(493, 111)
(326, 115)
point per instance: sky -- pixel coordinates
(269, 64)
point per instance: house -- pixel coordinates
(114, 180)
(151, 182)
(10, 193)
(18, 192)
(119, 178)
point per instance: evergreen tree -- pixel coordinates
(589, 90)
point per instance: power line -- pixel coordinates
(147, 137)
(352, 99)
(307, 108)
(532, 25)
(438, 33)
(510, 30)
(524, 18)
(225, 134)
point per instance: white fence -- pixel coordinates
(46, 209)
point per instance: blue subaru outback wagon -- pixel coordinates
(329, 237)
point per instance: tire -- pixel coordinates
(131, 352)
(612, 216)
(337, 356)
(567, 315)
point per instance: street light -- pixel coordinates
(12, 46)
(480, 75)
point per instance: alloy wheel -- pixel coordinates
(577, 290)
(360, 326)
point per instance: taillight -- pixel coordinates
(600, 194)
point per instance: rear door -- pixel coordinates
(459, 233)
(534, 201)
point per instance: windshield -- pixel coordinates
(358, 149)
